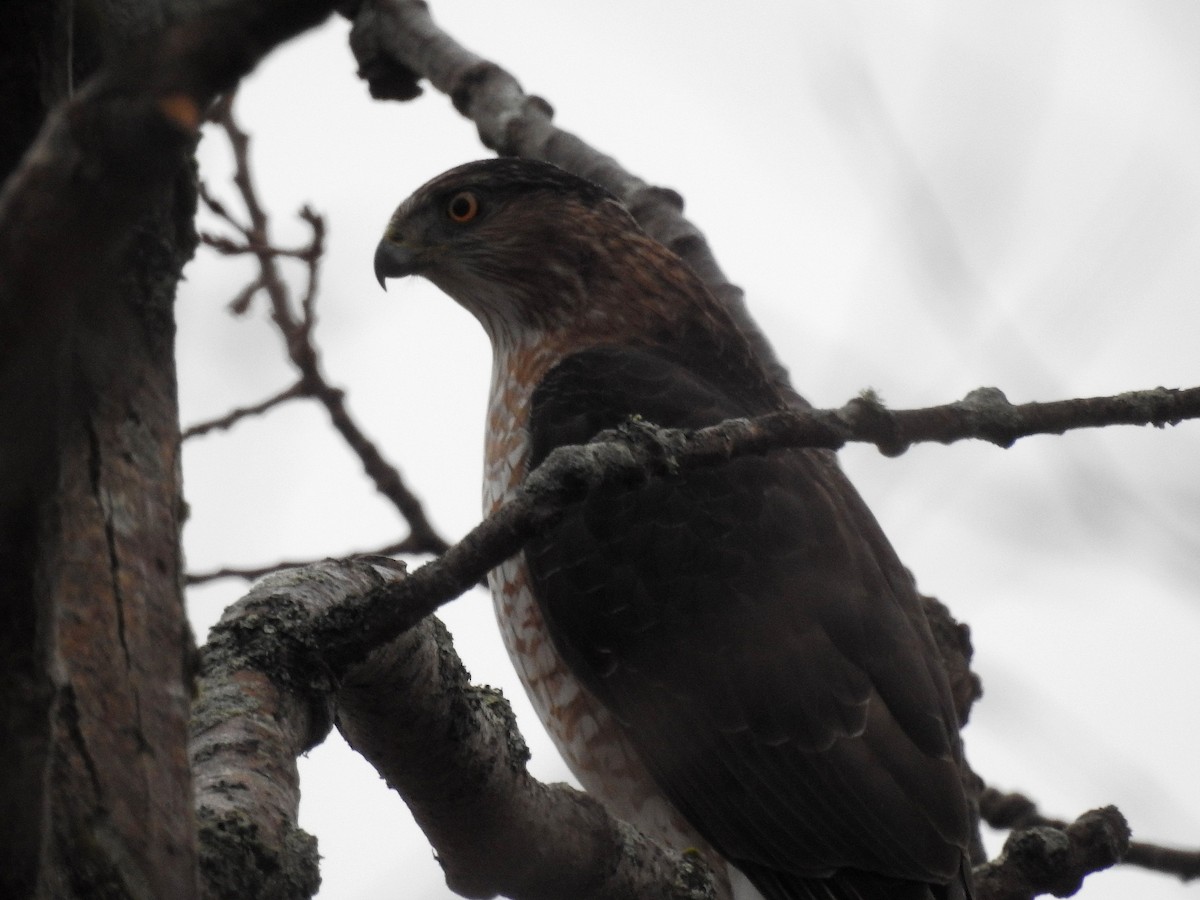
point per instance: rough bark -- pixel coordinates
(95, 225)
(449, 748)
(95, 651)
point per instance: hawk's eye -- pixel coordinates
(463, 207)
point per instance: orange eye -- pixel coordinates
(463, 207)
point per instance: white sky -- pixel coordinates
(921, 198)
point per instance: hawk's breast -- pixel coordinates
(586, 735)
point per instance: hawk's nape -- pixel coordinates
(732, 658)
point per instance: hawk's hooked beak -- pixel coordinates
(393, 260)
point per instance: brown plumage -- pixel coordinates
(733, 659)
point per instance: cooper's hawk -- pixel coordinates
(732, 658)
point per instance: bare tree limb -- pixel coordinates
(248, 726)
(99, 164)
(640, 450)
(411, 711)
(450, 749)
(984, 414)
(1013, 810)
(1054, 860)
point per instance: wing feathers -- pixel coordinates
(756, 637)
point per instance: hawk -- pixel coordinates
(733, 659)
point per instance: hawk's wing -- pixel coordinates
(758, 639)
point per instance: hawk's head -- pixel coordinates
(526, 246)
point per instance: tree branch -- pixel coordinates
(243, 412)
(248, 726)
(1013, 810)
(454, 754)
(450, 749)
(639, 451)
(405, 547)
(1053, 860)
(984, 414)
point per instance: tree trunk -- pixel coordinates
(94, 646)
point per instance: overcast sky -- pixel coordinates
(920, 197)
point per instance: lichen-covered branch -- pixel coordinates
(1054, 860)
(412, 712)
(248, 726)
(1013, 810)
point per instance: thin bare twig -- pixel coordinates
(220, 209)
(236, 415)
(405, 547)
(228, 247)
(311, 255)
(242, 300)
(296, 326)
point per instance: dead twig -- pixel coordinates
(234, 416)
(296, 323)
(406, 547)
